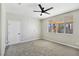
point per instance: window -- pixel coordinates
(69, 28)
(60, 28)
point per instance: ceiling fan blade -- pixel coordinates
(47, 13)
(40, 7)
(49, 9)
(37, 11)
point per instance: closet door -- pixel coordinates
(14, 33)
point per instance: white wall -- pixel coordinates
(30, 27)
(66, 39)
(0, 29)
(3, 29)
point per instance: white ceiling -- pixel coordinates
(27, 8)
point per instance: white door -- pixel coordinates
(14, 33)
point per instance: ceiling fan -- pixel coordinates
(43, 10)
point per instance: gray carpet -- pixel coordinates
(40, 48)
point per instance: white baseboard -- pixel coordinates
(73, 46)
(31, 39)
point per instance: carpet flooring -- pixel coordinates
(40, 48)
